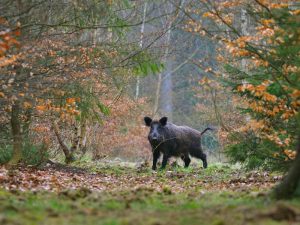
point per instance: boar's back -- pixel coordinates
(182, 135)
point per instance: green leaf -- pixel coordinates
(104, 109)
(275, 89)
(146, 68)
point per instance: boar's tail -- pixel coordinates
(206, 129)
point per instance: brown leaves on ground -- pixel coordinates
(57, 178)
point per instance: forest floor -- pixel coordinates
(118, 194)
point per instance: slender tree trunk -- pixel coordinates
(83, 137)
(157, 94)
(67, 152)
(137, 89)
(163, 98)
(26, 125)
(16, 134)
(244, 28)
(291, 183)
(75, 140)
(50, 12)
(159, 81)
(166, 101)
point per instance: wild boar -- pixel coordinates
(172, 140)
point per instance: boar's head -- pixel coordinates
(157, 129)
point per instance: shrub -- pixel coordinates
(34, 154)
(255, 153)
(5, 153)
(31, 154)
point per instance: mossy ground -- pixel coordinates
(219, 195)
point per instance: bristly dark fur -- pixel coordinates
(172, 140)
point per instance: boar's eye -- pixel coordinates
(154, 127)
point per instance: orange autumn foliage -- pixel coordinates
(263, 55)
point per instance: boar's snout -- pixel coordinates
(154, 137)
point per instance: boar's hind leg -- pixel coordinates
(165, 161)
(156, 155)
(186, 160)
(200, 155)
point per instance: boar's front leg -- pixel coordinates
(156, 155)
(164, 161)
(186, 160)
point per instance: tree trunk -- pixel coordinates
(16, 134)
(67, 152)
(244, 26)
(164, 91)
(75, 140)
(157, 94)
(291, 183)
(26, 124)
(82, 138)
(159, 81)
(137, 88)
(166, 101)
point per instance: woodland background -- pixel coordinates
(77, 78)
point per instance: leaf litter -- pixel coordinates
(217, 195)
(56, 178)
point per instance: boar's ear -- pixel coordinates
(163, 121)
(148, 121)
